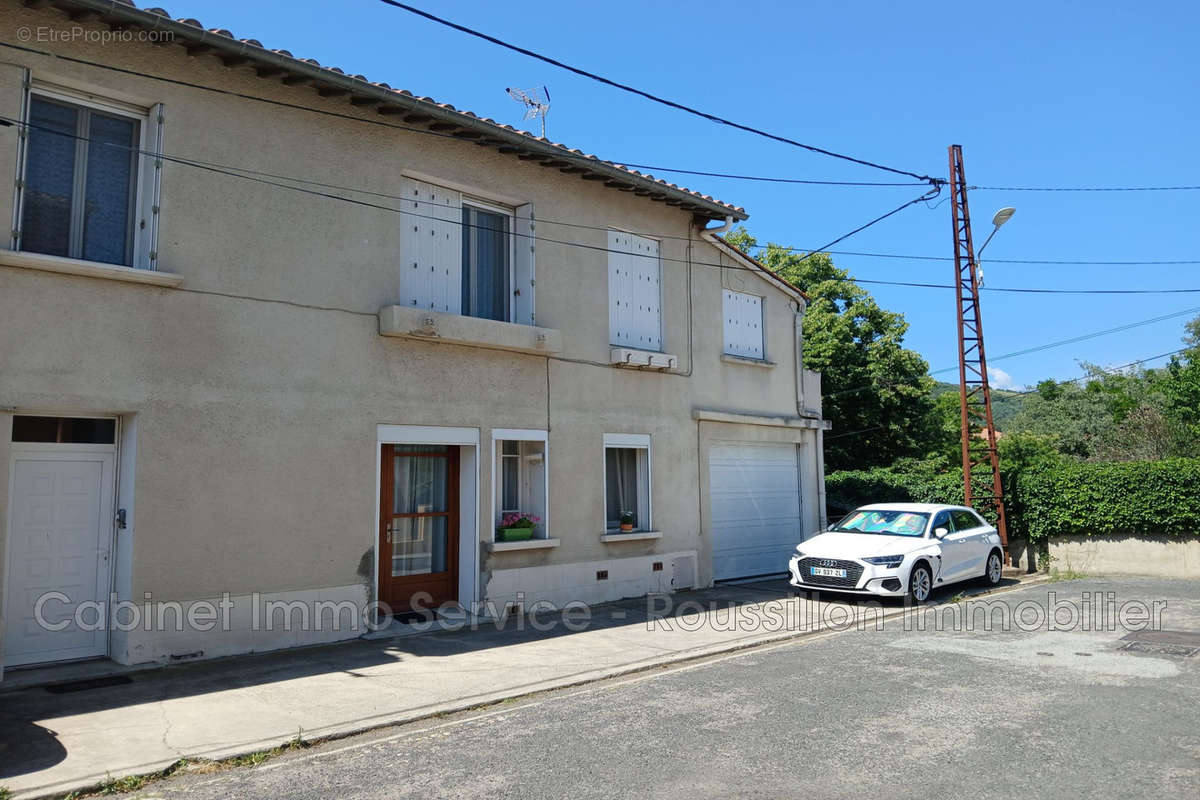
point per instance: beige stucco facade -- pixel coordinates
(251, 392)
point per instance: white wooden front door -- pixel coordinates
(59, 540)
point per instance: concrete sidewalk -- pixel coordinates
(55, 743)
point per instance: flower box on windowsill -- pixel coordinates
(514, 534)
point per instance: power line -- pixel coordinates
(1085, 337)
(565, 154)
(855, 433)
(655, 98)
(1176, 262)
(1024, 290)
(1107, 371)
(232, 172)
(763, 178)
(1086, 188)
(560, 152)
(807, 181)
(1027, 351)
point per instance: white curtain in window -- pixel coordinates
(621, 489)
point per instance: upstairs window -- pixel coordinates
(86, 190)
(486, 263)
(743, 314)
(463, 256)
(634, 292)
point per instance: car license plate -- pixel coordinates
(825, 572)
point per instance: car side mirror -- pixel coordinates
(940, 533)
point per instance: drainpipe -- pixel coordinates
(709, 233)
(819, 433)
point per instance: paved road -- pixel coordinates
(895, 713)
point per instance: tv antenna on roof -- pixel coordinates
(536, 102)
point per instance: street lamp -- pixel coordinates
(1002, 216)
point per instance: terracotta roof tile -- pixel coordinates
(736, 210)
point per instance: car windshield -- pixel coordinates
(885, 521)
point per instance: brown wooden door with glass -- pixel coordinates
(418, 526)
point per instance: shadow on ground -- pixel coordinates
(28, 744)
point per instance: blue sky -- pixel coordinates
(1039, 94)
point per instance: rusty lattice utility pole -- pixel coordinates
(980, 461)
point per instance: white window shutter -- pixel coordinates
(618, 294)
(22, 147)
(524, 267)
(431, 247)
(635, 291)
(150, 187)
(743, 323)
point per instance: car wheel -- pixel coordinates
(920, 583)
(995, 568)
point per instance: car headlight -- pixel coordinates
(891, 562)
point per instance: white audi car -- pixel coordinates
(899, 549)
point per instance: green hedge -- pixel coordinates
(852, 488)
(1100, 499)
(1067, 498)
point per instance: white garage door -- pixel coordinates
(755, 492)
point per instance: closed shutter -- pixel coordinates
(743, 324)
(431, 247)
(22, 149)
(635, 291)
(524, 267)
(150, 176)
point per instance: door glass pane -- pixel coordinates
(107, 207)
(419, 485)
(621, 488)
(50, 178)
(65, 430)
(418, 545)
(485, 264)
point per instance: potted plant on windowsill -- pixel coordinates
(516, 526)
(628, 520)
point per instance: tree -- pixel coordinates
(1179, 385)
(1127, 415)
(1073, 416)
(875, 392)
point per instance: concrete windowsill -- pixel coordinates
(631, 536)
(528, 544)
(88, 269)
(436, 326)
(749, 362)
(646, 359)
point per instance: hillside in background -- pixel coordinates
(1005, 404)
